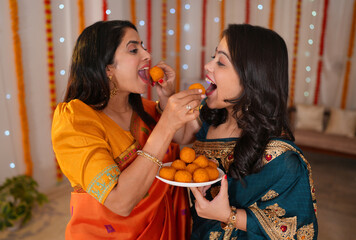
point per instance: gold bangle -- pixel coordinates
(158, 108)
(231, 224)
(150, 157)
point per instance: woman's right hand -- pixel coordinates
(182, 108)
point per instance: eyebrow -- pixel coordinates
(222, 52)
(134, 42)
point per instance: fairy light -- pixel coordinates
(308, 68)
(62, 72)
(170, 32)
(108, 11)
(8, 96)
(61, 6)
(187, 6)
(12, 165)
(142, 23)
(314, 13)
(260, 6)
(185, 66)
(216, 19)
(172, 11)
(311, 26)
(7, 133)
(310, 41)
(61, 39)
(186, 27)
(307, 53)
(187, 47)
(308, 79)
(306, 94)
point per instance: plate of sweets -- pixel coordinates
(190, 170)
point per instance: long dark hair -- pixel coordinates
(93, 52)
(260, 59)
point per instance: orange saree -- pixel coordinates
(162, 214)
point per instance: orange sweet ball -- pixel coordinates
(200, 175)
(187, 154)
(197, 86)
(178, 164)
(167, 173)
(201, 161)
(191, 168)
(212, 172)
(156, 73)
(183, 176)
(212, 164)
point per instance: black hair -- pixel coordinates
(260, 59)
(93, 52)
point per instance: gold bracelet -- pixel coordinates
(231, 224)
(158, 108)
(150, 157)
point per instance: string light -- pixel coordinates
(61, 39)
(108, 11)
(216, 19)
(62, 72)
(7, 133)
(170, 32)
(308, 68)
(307, 53)
(142, 23)
(311, 26)
(8, 96)
(308, 80)
(172, 11)
(185, 66)
(314, 13)
(260, 6)
(310, 41)
(306, 94)
(187, 47)
(61, 6)
(12, 165)
(187, 6)
(186, 27)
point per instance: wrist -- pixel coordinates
(231, 221)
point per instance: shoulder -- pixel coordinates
(285, 152)
(73, 108)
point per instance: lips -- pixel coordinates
(144, 74)
(212, 87)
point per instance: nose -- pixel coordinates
(208, 66)
(146, 56)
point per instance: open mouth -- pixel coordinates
(144, 75)
(212, 87)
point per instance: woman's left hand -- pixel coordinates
(165, 87)
(217, 209)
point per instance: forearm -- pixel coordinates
(186, 134)
(135, 180)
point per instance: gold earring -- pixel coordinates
(113, 91)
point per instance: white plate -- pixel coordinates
(192, 184)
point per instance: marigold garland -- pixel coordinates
(349, 55)
(149, 39)
(271, 14)
(178, 14)
(51, 71)
(81, 12)
(20, 86)
(222, 16)
(247, 13)
(321, 51)
(295, 52)
(203, 39)
(105, 7)
(133, 11)
(164, 30)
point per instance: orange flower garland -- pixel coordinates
(349, 55)
(247, 14)
(178, 46)
(105, 7)
(20, 86)
(222, 16)
(164, 30)
(271, 14)
(295, 52)
(203, 38)
(81, 15)
(51, 75)
(149, 40)
(133, 11)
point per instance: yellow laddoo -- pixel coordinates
(200, 175)
(167, 173)
(212, 172)
(178, 164)
(201, 161)
(212, 164)
(187, 154)
(197, 86)
(156, 73)
(183, 176)
(191, 167)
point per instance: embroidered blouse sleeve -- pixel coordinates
(82, 149)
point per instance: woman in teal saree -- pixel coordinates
(268, 191)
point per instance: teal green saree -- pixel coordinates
(279, 200)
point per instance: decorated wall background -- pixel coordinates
(37, 38)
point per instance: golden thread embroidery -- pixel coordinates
(276, 148)
(269, 195)
(214, 235)
(274, 226)
(306, 232)
(216, 150)
(123, 159)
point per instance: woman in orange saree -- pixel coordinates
(110, 142)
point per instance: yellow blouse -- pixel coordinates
(86, 143)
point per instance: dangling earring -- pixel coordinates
(246, 107)
(113, 91)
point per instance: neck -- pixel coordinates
(119, 104)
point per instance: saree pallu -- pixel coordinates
(279, 200)
(162, 214)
